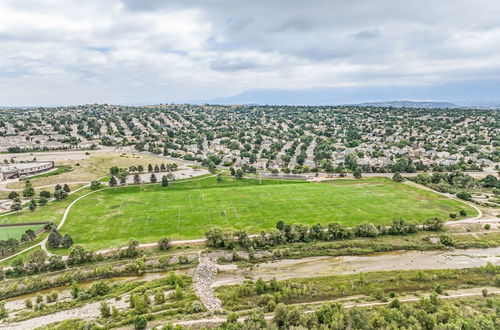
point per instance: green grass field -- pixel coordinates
(185, 210)
(15, 232)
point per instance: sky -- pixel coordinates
(59, 52)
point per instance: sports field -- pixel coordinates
(15, 231)
(185, 210)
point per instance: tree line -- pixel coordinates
(293, 233)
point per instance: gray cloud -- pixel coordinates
(122, 50)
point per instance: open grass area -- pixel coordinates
(85, 168)
(52, 212)
(4, 193)
(15, 232)
(185, 210)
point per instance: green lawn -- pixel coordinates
(15, 232)
(186, 210)
(52, 212)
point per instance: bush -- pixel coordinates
(105, 310)
(397, 177)
(446, 240)
(140, 322)
(366, 230)
(434, 224)
(487, 226)
(464, 195)
(164, 244)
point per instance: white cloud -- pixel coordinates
(129, 51)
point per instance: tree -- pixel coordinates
(397, 177)
(464, 195)
(77, 255)
(54, 240)
(156, 168)
(137, 178)
(31, 234)
(140, 168)
(164, 243)
(211, 166)
(32, 205)
(29, 191)
(57, 187)
(13, 195)
(150, 168)
(60, 194)
(219, 178)
(490, 181)
(114, 170)
(45, 193)
(42, 201)
(239, 174)
(112, 182)
(16, 206)
(164, 181)
(159, 297)
(94, 185)
(123, 180)
(280, 225)
(434, 224)
(67, 241)
(66, 188)
(56, 263)
(357, 173)
(152, 178)
(35, 260)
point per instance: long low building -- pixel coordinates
(21, 170)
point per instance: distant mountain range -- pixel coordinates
(483, 94)
(411, 104)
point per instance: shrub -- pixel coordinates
(464, 195)
(140, 322)
(105, 310)
(397, 177)
(446, 240)
(366, 230)
(164, 244)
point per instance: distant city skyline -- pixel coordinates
(283, 52)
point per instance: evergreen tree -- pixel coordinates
(164, 181)
(112, 182)
(54, 240)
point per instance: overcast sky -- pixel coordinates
(152, 51)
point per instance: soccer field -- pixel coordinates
(185, 210)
